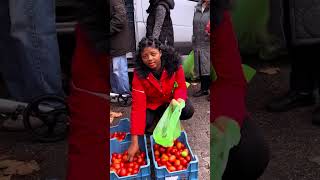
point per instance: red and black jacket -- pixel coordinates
(150, 93)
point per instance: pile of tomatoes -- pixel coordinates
(120, 136)
(175, 158)
(121, 166)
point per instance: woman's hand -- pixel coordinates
(133, 148)
(224, 134)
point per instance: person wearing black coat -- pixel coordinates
(159, 23)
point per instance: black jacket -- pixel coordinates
(119, 28)
(217, 8)
(106, 23)
(167, 28)
(94, 17)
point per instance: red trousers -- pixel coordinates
(89, 112)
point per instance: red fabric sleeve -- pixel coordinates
(181, 90)
(228, 91)
(138, 108)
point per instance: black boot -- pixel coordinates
(200, 93)
(316, 116)
(290, 101)
(205, 84)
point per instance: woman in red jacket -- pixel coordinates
(158, 68)
(238, 150)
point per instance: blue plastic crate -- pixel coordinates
(191, 173)
(119, 147)
(122, 126)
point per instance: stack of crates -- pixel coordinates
(122, 126)
(119, 147)
(160, 173)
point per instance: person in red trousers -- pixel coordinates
(88, 99)
(238, 150)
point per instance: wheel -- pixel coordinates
(124, 100)
(54, 122)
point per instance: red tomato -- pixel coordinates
(139, 160)
(172, 168)
(177, 153)
(174, 150)
(188, 158)
(143, 155)
(119, 156)
(156, 153)
(183, 146)
(179, 168)
(124, 157)
(135, 171)
(130, 165)
(122, 165)
(112, 169)
(136, 166)
(123, 172)
(164, 160)
(175, 141)
(183, 162)
(130, 169)
(172, 158)
(156, 146)
(122, 137)
(164, 156)
(179, 145)
(162, 149)
(177, 163)
(113, 159)
(116, 166)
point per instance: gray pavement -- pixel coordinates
(293, 140)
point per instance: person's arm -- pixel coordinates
(228, 91)
(118, 16)
(138, 115)
(138, 108)
(159, 19)
(181, 91)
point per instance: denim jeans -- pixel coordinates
(119, 79)
(29, 53)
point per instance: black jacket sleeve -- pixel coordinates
(118, 16)
(94, 17)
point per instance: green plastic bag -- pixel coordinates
(188, 64)
(250, 20)
(248, 71)
(220, 145)
(168, 128)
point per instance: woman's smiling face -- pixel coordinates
(151, 57)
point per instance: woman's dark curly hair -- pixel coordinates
(170, 59)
